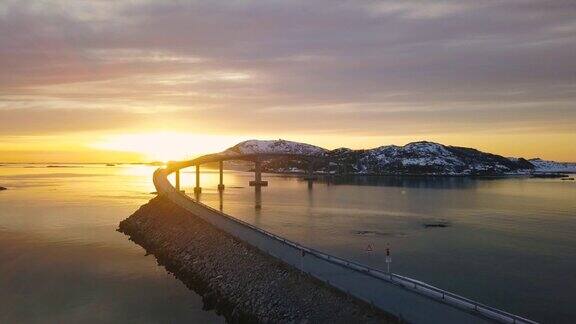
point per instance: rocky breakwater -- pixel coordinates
(240, 282)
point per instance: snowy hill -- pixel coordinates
(433, 158)
(552, 166)
(425, 158)
(274, 146)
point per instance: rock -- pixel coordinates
(237, 280)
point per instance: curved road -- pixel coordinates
(412, 300)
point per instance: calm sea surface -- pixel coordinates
(62, 261)
(509, 243)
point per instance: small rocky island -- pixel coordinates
(237, 280)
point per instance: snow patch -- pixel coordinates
(274, 147)
(552, 166)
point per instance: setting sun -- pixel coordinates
(166, 146)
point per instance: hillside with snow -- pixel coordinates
(552, 166)
(419, 158)
(427, 158)
(274, 147)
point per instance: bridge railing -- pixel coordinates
(410, 284)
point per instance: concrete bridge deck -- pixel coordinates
(409, 299)
(256, 158)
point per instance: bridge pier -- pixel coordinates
(221, 184)
(197, 189)
(177, 176)
(258, 176)
(221, 197)
(258, 197)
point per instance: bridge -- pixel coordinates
(410, 300)
(256, 158)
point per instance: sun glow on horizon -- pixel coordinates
(166, 146)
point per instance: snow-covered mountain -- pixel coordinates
(552, 166)
(427, 158)
(414, 158)
(274, 146)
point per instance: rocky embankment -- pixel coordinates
(239, 281)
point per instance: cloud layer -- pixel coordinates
(370, 68)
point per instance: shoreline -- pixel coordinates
(429, 176)
(238, 281)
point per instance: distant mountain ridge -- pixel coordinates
(422, 158)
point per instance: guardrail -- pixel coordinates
(410, 284)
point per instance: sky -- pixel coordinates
(130, 81)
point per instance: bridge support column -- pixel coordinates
(258, 176)
(258, 197)
(197, 189)
(221, 184)
(177, 176)
(221, 197)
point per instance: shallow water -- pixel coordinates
(508, 242)
(62, 261)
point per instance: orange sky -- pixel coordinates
(165, 145)
(134, 81)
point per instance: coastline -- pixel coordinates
(421, 175)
